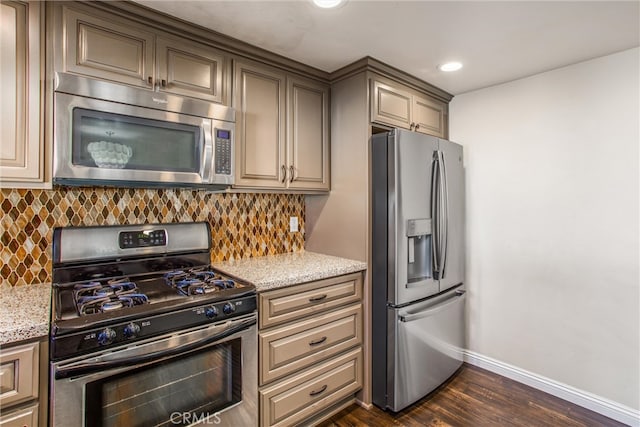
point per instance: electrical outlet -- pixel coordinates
(293, 224)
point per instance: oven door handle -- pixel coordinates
(91, 367)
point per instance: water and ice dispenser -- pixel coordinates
(419, 264)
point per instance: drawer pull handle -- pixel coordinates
(318, 298)
(317, 342)
(315, 393)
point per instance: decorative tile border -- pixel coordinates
(242, 225)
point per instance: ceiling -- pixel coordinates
(496, 41)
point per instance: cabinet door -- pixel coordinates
(308, 135)
(21, 142)
(429, 116)
(97, 47)
(27, 417)
(191, 69)
(259, 101)
(19, 374)
(390, 105)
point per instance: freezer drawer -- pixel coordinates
(425, 347)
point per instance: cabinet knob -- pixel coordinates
(417, 126)
(291, 171)
(150, 80)
(284, 173)
(411, 126)
(163, 82)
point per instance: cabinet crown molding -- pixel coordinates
(373, 65)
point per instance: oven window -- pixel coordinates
(116, 141)
(169, 393)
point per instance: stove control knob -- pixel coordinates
(228, 308)
(211, 312)
(131, 330)
(106, 336)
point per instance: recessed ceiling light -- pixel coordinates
(450, 66)
(327, 4)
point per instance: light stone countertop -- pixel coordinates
(277, 271)
(24, 312)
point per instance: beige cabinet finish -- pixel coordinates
(291, 348)
(22, 151)
(27, 417)
(391, 105)
(19, 379)
(307, 134)
(429, 116)
(282, 130)
(292, 401)
(283, 305)
(191, 69)
(108, 47)
(310, 349)
(397, 106)
(259, 100)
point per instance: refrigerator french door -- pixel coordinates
(417, 265)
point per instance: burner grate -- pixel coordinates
(197, 281)
(102, 297)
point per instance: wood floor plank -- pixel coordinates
(475, 397)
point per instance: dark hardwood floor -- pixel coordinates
(476, 397)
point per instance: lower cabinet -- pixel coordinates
(311, 363)
(23, 383)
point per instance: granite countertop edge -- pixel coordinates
(279, 271)
(24, 312)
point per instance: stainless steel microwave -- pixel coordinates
(108, 134)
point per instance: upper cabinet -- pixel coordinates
(109, 47)
(399, 106)
(282, 130)
(22, 149)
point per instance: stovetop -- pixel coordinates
(116, 285)
(107, 300)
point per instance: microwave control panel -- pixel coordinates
(222, 152)
(142, 239)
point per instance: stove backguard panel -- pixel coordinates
(242, 225)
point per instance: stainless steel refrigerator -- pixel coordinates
(417, 271)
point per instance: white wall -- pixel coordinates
(552, 223)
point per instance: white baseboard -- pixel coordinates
(598, 404)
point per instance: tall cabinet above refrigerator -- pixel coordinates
(417, 265)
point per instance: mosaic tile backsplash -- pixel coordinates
(242, 225)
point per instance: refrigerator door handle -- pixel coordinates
(433, 310)
(434, 214)
(444, 212)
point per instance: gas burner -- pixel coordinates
(102, 297)
(197, 281)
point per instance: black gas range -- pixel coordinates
(116, 285)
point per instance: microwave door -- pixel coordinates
(100, 142)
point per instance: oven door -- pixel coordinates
(108, 143)
(206, 375)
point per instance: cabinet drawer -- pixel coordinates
(289, 348)
(283, 305)
(293, 400)
(27, 417)
(19, 374)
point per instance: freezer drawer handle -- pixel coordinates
(433, 310)
(317, 392)
(318, 342)
(318, 298)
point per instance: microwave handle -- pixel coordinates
(92, 367)
(206, 131)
